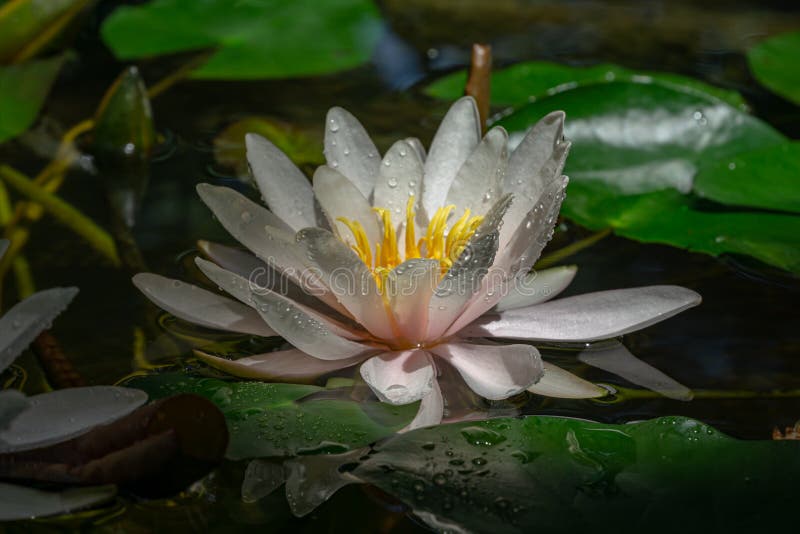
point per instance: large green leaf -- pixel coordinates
(276, 419)
(766, 178)
(643, 136)
(550, 474)
(774, 63)
(668, 217)
(265, 39)
(525, 82)
(23, 90)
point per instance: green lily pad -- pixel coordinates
(551, 474)
(23, 90)
(774, 63)
(669, 218)
(265, 39)
(277, 419)
(767, 178)
(525, 82)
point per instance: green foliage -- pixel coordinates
(550, 474)
(774, 63)
(277, 419)
(23, 90)
(263, 39)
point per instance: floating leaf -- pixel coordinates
(551, 474)
(23, 89)
(774, 63)
(525, 82)
(230, 150)
(767, 178)
(280, 419)
(266, 39)
(669, 217)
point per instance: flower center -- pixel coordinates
(438, 243)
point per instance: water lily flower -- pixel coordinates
(407, 264)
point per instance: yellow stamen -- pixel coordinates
(438, 243)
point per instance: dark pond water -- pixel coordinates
(739, 351)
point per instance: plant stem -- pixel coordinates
(573, 248)
(480, 79)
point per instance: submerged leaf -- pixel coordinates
(276, 420)
(23, 90)
(266, 39)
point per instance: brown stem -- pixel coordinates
(480, 78)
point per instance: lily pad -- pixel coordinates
(23, 90)
(774, 63)
(280, 420)
(265, 39)
(552, 474)
(767, 178)
(526, 82)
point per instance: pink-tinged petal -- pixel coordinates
(409, 288)
(285, 188)
(536, 161)
(201, 307)
(347, 278)
(589, 317)
(561, 384)
(349, 150)
(400, 178)
(477, 184)
(314, 334)
(618, 360)
(537, 287)
(400, 377)
(431, 410)
(493, 371)
(341, 199)
(458, 135)
(517, 258)
(291, 365)
(465, 278)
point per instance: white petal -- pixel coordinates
(26, 320)
(243, 219)
(235, 260)
(290, 319)
(285, 188)
(431, 410)
(400, 178)
(418, 147)
(465, 278)
(517, 257)
(12, 403)
(535, 162)
(350, 281)
(618, 360)
(589, 317)
(457, 136)
(64, 414)
(558, 383)
(282, 366)
(199, 306)
(399, 377)
(494, 371)
(340, 198)
(349, 150)
(20, 502)
(477, 184)
(409, 288)
(537, 287)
